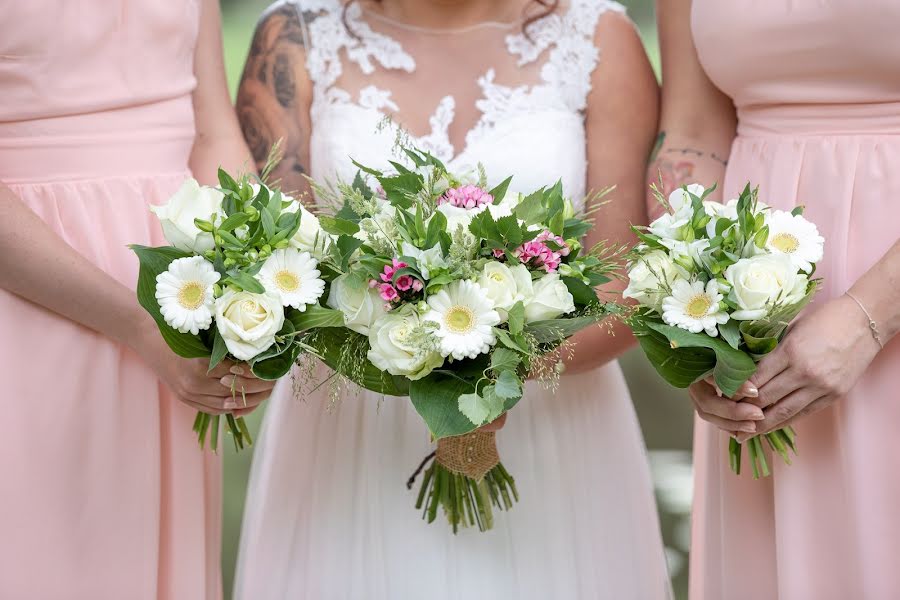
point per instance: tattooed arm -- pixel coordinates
(275, 95)
(697, 123)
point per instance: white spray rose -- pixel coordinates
(360, 304)
(649, 278)
(456, 217)
(760, 281)
(427, 260)
(248, 322)
(551, 299)
(191, 201)
(394, 349)
(505, 285)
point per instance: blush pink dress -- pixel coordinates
(817, 88)
(104, 492)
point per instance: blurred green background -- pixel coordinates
(665, 415)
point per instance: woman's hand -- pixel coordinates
(818, 362)
(728, 414)
(189, 381)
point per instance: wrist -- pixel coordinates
(868, 333)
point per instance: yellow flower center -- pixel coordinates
(698, 306)
(786, 242)
(459, 319)
(190, 297)
(287, 281)
(497, 277)
(249, 306)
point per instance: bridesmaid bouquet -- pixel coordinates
(240, 280)
(452, 293)
(717, 286)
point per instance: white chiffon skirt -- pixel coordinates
(328, 515)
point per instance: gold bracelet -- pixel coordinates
(873, 327)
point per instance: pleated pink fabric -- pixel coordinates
(817, 88)
(104, 492)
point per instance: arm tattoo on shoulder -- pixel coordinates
(269, 72)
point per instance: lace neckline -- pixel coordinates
(499, 25)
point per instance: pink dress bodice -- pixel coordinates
(115, 72)
(804, 66)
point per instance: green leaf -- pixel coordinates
(314, 317)
(508, 385)
(226, 181)
(499, 192)
(495, 404)
(576, 228)
(219, 350)
(336, 226)
(516, 318)
(245, 282)
(730, 332)
(503, 359)
(582, 293)
(436, 225)
(154, 261)
(346, 246)
(474, 408)
(436, 399)
(268, 223)
(759, 346)
(555, 330)
(681, 367)
(511, 342)
(732, 367)
(234, 221)
(531, 208)
(278, 359)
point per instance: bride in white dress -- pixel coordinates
(328, 515)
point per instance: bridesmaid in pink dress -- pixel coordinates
(104, 493)
(803, 98)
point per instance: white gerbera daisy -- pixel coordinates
(293, 276)
(695, 307)
(795, 236)
(465, 318)
(185, 294)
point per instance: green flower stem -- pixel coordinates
(465, 501)
(734, 453)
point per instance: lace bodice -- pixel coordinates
(488, 94)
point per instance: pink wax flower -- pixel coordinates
(466, 196)
(388, 292)
(404, 282)
(547, 235)
(389, 270)
(417, 285)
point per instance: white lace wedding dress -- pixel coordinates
(328, 515)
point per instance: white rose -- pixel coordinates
(456, 217)
(360, 304)
(427, 260)
(551, 299)
(310, 237)
(191, 201)
(248, 322)
(505, 285)
(759, 282)
(650, 276)
(393, 350)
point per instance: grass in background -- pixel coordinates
(665, 415)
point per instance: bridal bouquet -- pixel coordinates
(452, 293)
(240, 281)
(717, 286)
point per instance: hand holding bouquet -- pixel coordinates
(717, 286)
(239, 280)
(451, 293)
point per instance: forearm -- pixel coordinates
(878, 290)
(680, 159)
(211, 152)
(36, 264)
(595, 346)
